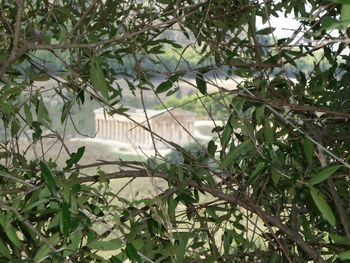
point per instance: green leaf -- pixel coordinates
(201, 83)
(339, 239)
(65, 111)
(9, 230)
(268, 132)
(98, 79)
(265, 31)
(322, 205)
(275, 176)
(5, 107)
(112, 244)
(259, 168)
(64, 219)
(212, 148)
(49, 180)
(164, 86)
(28, 114)
(308, 149)
(42, 77)
(44, 249)
(4, 251)
(30, 206)
(226, 134)
(11, 234)
(43, 115)
(324, 174)
(344, 255)
(115, 259)
(138, 244)
(131, 252)
(260, 113)
(230, 157)
(345, 12)
(75, 157)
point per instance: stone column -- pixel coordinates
(172, 132)
(107, 129)
(97, 128)
(102, 129)
(118, 130)
(122, 134)
(115, 130)
(143, 137)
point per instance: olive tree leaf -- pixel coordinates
(48, 178)
(344, 255)
(201, 83)
(64, 219)
(75, 158)
(164, 86)
(4, 251)
(131, 252)
(322, 205)
(98, 79)
(66, 110)
(28, 114)
(345, 12)
(10, 231)
(5, 107)
(230, 157)
(308, 149)
(258, 170)
(324, 174)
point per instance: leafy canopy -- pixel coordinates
(272, 185)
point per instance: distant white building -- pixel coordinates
(163, 123)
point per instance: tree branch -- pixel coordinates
(16, 52)
(294, 106)
(234, 198)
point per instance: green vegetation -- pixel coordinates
(271, 186)
(204, 106)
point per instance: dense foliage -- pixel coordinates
(271, 186)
